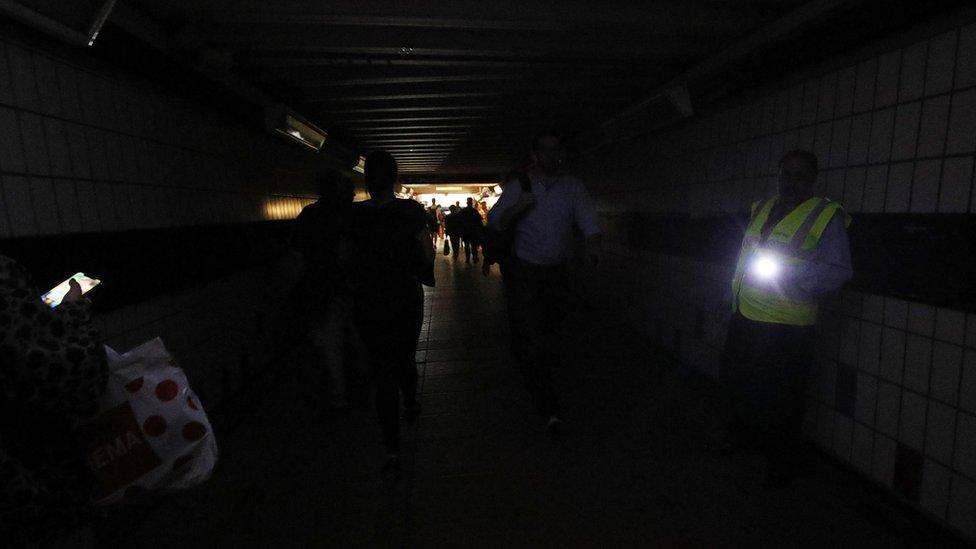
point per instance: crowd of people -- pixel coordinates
(458, 228)
(361, 296)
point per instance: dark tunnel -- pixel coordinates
(487, 274)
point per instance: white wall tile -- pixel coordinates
(88, 96)
(105, 196)
(77, 149)
(67, 200)
(825, 104)
(946, 364)
(935, 119)
(962, 505)
(796, 106)
(860, 139)
(48, 93)
(882, 124)
(884, 459)
(925, 186)
(918, 362)
(834, 188)
(866, 402)
(45, 205)
(889, 408)
(950, 325)
(57, 148)
(811, 95)
(839, 143)
(5, 231)
(854, 188)
(934, 492)
(872, 308)
(911, 81)
(843, 436)
(898, 187)
(966, 65)
(68, 88)
(869, 354)
(962, 123)
(906, 129)
(896, 313)
(822, 143)
(97, 156)
(11, 148)
(35, 148)
(911, 430)
(892, 355)
(863, 448)
(921, 318)
(967, 389)
(23, 84)
(941, 61)
(875, 185)
(123, 206)
(965, 460)
(825, 426)
(940, 431)
(6, 79)
(87, 206)
(844, 96)
(886, 92)
(867, 73)
(20, 211)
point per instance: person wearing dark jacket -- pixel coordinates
(390, 257)
(52, 373)
(472, 231)
(454, 230)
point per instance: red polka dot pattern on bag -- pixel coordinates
(154, 426)
(194, 431)
(134, 385)
(167, 390)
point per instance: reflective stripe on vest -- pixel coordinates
(793, 240)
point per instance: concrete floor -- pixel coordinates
(479, 472)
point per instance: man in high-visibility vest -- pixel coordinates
(795, 250)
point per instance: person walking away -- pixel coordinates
(52, 375)
(794, 252)
(326, 300)
(472, 231)
(453, 230)
(390, 257)
(537, 274)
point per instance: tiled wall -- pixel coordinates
(85, 148)
(894, 390)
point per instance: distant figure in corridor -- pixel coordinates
(537, 274)
(795, 251)
(452, 228)
(472, 231)
(326, 301)
(52, 373)
(391, 255)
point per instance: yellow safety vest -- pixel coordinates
(793, 241)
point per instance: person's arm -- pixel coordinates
(60, 348)
(586, 218)
(512, 203)
(831, 266)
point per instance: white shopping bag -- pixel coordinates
(151, 432)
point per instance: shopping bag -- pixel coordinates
(151, 432)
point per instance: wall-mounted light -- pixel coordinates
(449, 188)
(360, 165)
(284, 122)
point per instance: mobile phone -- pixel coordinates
(53, 297)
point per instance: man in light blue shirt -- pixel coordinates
(536, 276)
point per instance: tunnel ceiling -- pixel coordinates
(455, 89)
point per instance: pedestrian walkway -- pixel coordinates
(479, 472)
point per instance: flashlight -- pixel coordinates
(765, 266)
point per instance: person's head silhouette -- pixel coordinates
(381, 173)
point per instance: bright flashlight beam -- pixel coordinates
(765, 267)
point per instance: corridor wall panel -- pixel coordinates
(180, 208)
(893, 390)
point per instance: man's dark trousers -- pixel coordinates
(540, 305)
(767, 365)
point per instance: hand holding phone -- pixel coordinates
(70, 290)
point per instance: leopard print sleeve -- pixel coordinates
(58, 362)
